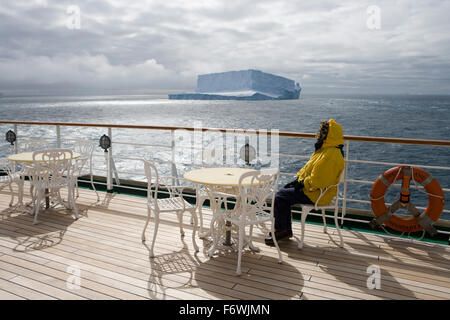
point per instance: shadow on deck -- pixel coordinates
(100, 256)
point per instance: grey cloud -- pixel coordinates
(165, 44)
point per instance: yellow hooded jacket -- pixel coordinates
(325, 166)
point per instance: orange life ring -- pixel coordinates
(414, 223)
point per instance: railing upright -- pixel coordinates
(344, 200)
(109, 178)
(16, 149)
(58, 136)
(173, 169)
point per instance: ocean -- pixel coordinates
(409, 116)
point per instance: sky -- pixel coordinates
(367, 47)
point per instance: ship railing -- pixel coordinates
(106, 165)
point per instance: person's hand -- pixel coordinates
(299, 185)
(291, 184)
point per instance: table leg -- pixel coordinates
(228, 223)
(216, 206)
(47, 199)
(228, 234)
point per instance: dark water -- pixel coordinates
(421, 117)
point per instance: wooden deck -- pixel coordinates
(40, 261)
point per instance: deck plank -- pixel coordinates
(105, 243)
(50, 276)
(105, 262)
(24, 292)
(43, 287)
(5, 295)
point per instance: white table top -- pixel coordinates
(226, 177)
(28, 157)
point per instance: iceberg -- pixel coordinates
(242, 85)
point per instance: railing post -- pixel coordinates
(109, 178)
(58, 136)
(172, 148)
(16, 148)
(344, 198)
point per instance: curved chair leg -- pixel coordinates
(32, 194)
(305, 213)
(52, 193)
(70, 195)
(180, 219)
(71, 199)
(93, 187)
(37, 206)
(241, 245)
(20, 195)
(324, 221)
(155, 231)
(200, 214)
(194, 217)
(12, 195)
(215, 234)
(146, 224)
(76, 187)
(338, 228)
(280, 258)
(250, 242)
(33, 201)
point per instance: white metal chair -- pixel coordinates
(83, 165)
(51, 171)
(10, 176)
(174, 203)
(333, 205)
(32, 145)
(251, 208)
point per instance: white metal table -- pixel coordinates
(27, 157)
(214, 178)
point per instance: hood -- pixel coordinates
(335, 136)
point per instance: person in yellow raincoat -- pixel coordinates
(323, 169)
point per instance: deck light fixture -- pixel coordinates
(247, 153)
(105, 142)
(11, 137)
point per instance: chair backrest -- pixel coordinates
(51, 164)
(32, 145)
(152, 178)
(255, 188)
(323, 191)
(7, 169)
(85, 148)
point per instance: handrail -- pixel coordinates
(279, 133)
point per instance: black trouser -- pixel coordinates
(284, 199)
